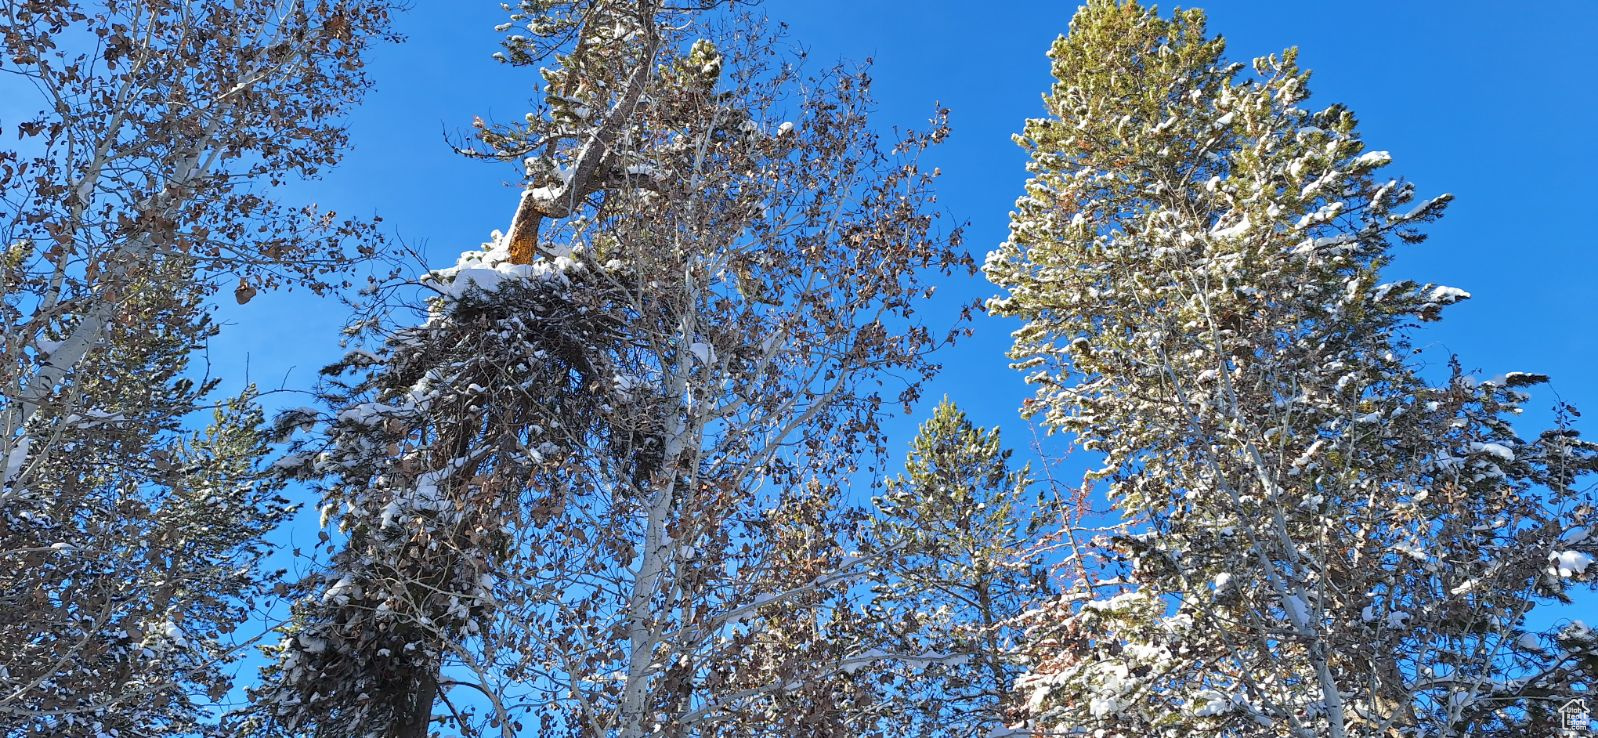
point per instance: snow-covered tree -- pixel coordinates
(957, 534)
(130, 547)
(595, 492)
(128, 543)
(1317, 538)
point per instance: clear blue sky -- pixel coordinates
(1494, 102)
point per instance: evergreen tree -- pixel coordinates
(1316, 540)
(596, 492)
(148, 139)
(132, 546)
(955, 533)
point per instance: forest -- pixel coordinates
(667, 454)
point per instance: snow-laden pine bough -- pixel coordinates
(1315, 538)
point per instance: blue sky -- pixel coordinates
(1493, 102)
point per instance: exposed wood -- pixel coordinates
(532, 210)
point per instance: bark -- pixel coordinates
(532, 210)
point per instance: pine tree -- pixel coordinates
(956, 533)
(596, 492)
(148, 139)
(133, 546)
(1317, 540)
